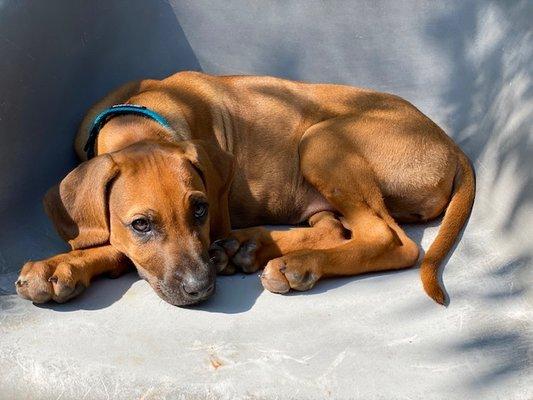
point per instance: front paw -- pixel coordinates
(230, 254)
(42, 281)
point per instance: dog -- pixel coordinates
(179, 176)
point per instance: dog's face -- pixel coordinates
(155, 203)
(159, 218)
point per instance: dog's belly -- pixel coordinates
(315, 204)
(274, 203)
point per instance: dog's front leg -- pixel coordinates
(64, 276)
(251, 248)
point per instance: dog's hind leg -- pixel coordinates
(348, 183)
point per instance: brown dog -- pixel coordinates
(239, 152)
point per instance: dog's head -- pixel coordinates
(159, 204)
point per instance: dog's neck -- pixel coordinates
(124, 130)
(207, 120)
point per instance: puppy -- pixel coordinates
(179, 175)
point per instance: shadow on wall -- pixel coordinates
(58, 58)
(491, 93)
(490, 96)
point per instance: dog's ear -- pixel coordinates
(216, 167)
(78, 205)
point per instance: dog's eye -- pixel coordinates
(141, 225)
(200, 210)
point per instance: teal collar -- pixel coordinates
(119, 109)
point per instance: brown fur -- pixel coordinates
(351, 162)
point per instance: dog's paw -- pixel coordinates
(230, 254)
(42, 281)
(294, 271)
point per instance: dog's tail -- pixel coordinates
(455, 217)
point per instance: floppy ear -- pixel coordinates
(78, 205)
(216, 167)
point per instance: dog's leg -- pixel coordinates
(348, 183)
(251, 248)
(64, 276)
(374, 246)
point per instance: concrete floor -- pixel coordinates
(466, 64)
(371, 337)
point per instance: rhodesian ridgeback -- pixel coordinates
(179, 176)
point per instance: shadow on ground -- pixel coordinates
(490, 98)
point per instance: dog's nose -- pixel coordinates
(198, 289)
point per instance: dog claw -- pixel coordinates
(68, 292)
(218, 257)
(53, 279)
(249, 246)
(245, 258)
(230, 245)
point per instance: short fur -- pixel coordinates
(349, 162)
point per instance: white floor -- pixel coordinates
(371, 337)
